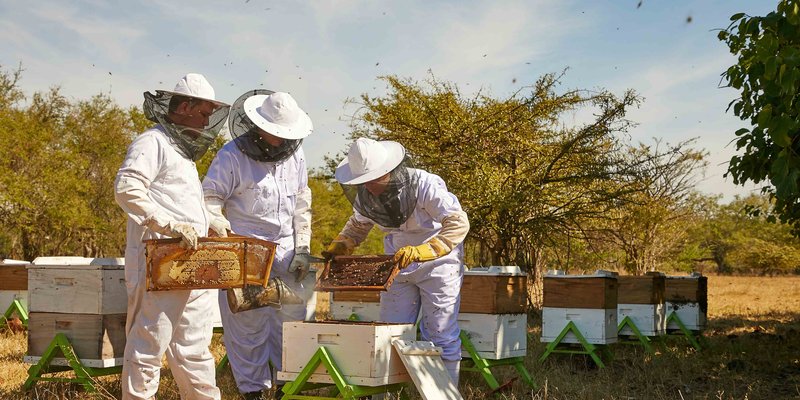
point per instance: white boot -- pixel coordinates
(453, 368)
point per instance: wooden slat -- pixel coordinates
(681, 290)
(361, 295)
(600, 292)
(92, 336)
(13, 277)
(648, 289)
(494, 294)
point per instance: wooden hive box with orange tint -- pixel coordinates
(217, 263)
(494, 290)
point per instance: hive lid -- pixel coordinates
(78, 263)
(693, 275)
(597, 274)
(506, 270)
(8, 261)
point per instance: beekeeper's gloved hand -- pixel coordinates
(219, 225)
(175, 229)
(431, 250)
(301, 262)
(342, 245)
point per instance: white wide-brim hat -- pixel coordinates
(197, 86)
(279, 115)
(368, 160)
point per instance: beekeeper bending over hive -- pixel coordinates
(158, 187)
(424, 227)
(259, 178)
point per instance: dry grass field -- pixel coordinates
(752, 351)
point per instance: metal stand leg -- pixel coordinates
(342, 390)
(689, 334)
(16, 307)
(588, 348)
(484, 365)
(83, 375)
(642, 340)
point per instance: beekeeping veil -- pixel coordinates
(388, 201)
(275, 113)
(190, 141)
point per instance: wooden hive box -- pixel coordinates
(217, 263)
(98, 340)
(496, 336)
(598, 291)
(13, 283)
(687, 297)
(494, 290)
(77, 285)
(362, 351)
(597, 325)
(645, 289)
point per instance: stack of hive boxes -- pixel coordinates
(687, 297)
(359, 305)
(13, 283)
(641, 299)
(84, 298)
(589, 301)
(493, 311)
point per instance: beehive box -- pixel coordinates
(650, 319)
(362, 351)
(217, 263)
(496, 336)
(77, 285)
(365, 305)
(98, 340)
(589, 301)
(13, 283)
(687, 296)
(597, 291)
(494, 290)
(645, 289)
(597, 325)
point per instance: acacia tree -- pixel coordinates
(767, 74)
(58, 160)
(650, 227)
(521, 174)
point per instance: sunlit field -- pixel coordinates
(751, 351)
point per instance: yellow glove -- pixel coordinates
(342, 245)
(424, 252)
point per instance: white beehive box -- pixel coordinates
(77, 285)
(13, 283)
(495, 336)
(692, 316)
(362, 351)
(597, 325)
(650, 319)
(97, 339)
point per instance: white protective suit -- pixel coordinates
(156, 185)
(432, 287)
(269, 201)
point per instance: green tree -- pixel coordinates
(522, 175)
(767, 74)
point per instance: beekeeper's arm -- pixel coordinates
(354, 232)
(140, 167)
(301, 262)
(220, 180)
(454, 221)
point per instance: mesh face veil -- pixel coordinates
(247, 135)
(190, 142)
(392, 203)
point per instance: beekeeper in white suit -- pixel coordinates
(425, 227)
(158, 187)
(260, 181)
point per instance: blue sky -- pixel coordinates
(324, 52)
